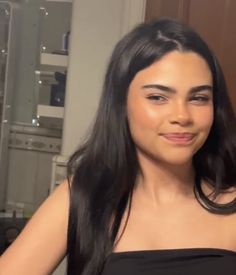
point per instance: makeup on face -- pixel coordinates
(170, 107)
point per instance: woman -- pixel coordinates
(152, 190)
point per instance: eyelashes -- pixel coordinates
(196, 99)
(157, 98)
(201, 98)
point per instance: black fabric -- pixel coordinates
(189, 261)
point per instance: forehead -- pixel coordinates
(177, 69)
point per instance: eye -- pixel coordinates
(157, 98)
(200, 99)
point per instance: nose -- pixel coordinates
(180, 114)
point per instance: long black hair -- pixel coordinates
(103, 171)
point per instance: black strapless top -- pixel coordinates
(187, 261)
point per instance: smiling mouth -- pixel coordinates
(179, 138)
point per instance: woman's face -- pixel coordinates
(170, 107)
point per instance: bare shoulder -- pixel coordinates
(42, 243)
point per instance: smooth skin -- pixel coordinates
(164, 212)
(173, 95)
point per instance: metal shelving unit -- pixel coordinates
(8, 27)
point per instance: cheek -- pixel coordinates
(141, 117)
(205, 119)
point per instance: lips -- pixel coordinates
(179, 138)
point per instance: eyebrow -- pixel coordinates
(172, 90)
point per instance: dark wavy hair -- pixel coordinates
(103, 171)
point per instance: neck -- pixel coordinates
(165, 183)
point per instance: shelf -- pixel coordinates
(50, 111)
(54, 59)
(45, 73)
